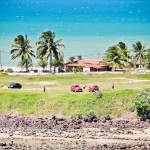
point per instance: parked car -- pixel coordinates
(15, 85)
(93, 88)
(76, 88)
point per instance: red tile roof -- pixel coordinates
(88, 63)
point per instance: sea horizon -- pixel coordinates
(87, 28)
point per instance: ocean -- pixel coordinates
(88, 27)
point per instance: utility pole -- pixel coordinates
(0, 60)
(98, 55)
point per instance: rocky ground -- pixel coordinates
(90, 133)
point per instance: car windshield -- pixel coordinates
(76, 85)
(12, 84)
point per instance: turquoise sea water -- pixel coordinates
(88, 27)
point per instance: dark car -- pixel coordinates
(93, 88)
(15, 85)
(76, 88)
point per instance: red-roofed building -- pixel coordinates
(88, 65)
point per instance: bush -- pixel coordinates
(142, 104)
(9, 70)
(98, 94)
(77, 69)
(90, 117)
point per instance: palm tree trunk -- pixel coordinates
(50, 62)
(140, 62)
(26, 66)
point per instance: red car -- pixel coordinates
(76, 88)
(93, 88)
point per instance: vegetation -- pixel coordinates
(22, 49)
(71, 59)
(47, 47)
(147, 59)
(120, 57)
(58, 100)
(142, 104)
(9, 70)
(139, 51)
(114, 57)
(57, 63)
(77, 69)
(42, 63)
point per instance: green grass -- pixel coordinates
(58, 100)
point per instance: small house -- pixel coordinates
(88, 65)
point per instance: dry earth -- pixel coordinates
(28, 133)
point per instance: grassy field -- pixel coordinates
(58, 100)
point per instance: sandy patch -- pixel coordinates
(43, 83)
(126, 80)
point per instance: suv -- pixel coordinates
(93, 88)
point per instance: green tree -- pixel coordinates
(147, 59)
(125, 55)
(139, 51)
(77, 69)
(23, 64)
(42, 63)
(114, 57)
(57, 63)
(48, 48)
(22, 49)
(71, 59)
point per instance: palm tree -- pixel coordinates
(22, 49)
(125, 54)
(57, 63)
(139, 51)
(147, 59)
(113, 56)
(71, 59)
(22, 64)
(48, 48)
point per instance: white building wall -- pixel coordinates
(86, 69)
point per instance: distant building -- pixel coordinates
(88, 65)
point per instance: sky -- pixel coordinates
(88, 27)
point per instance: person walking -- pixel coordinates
(84, 86)
(44, 90)
(113, 86)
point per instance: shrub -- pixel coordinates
(90, 117)
(77, 69)
(98, 94)
(9, 70)
(142, 104)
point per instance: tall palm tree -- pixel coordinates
(48, 48)
(113, 56)
(147, 59)
(125, 54)
(139, 51)
(22, 49)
